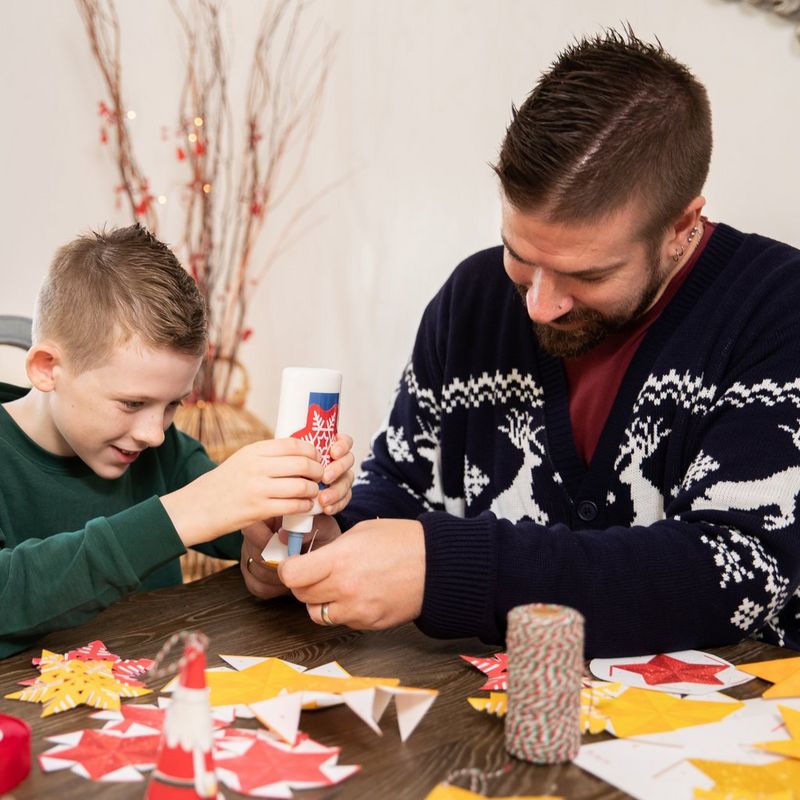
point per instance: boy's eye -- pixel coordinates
(176, 404)
(132, 405)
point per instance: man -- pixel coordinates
(635, 454)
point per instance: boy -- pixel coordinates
(99, 493)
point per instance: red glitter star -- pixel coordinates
(665, 669)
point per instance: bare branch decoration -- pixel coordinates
(238, 170)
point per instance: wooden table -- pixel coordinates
(451, 736)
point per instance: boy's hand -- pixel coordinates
(266, 479)
(339, 475)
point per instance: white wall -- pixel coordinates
(416, 107)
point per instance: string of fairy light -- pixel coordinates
(194, 140)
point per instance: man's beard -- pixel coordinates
(592, 326)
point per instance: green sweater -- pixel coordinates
(72, 543)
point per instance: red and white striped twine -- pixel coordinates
(545, 664)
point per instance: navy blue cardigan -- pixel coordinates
(683, 530)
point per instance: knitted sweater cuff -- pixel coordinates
(458, 575)
(147, 536)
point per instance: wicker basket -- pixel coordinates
(223, 428)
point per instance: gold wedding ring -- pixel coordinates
(326, 618)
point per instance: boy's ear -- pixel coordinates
(42, 365)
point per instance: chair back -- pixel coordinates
(15, 331)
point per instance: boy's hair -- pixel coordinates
(105, 287)
(613, 120)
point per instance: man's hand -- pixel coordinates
(262, 580)
(370, 578)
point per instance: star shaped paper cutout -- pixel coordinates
(446, 791)
(266, 762)
(776, 781)
(640, 711)
(666, 669)
(125, 670)
(496, 703)
(783, 672)
(593, 720)
(149, 716)
(100, 753)
(272, 676)
(495, 667)
(786, 747)
(67, 684)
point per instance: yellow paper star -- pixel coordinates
(593, 720)
(786, 747)
(775, 781)
(639, 711)
(496, 703)
(783, 672)
(67, 683)
(445, 791)
(272, 676)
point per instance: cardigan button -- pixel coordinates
(587, 510)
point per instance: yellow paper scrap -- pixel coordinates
(776, 781)
(786, 747)
(272, 676)
(446, 791)
(593, 720)
(783, 672)
(496, 703)
(639, 711)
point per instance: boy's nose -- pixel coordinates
(545, 300)
(149, 431)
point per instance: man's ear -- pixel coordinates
(43, 363)
(689, 218)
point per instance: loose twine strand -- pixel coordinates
(545, 669)
(162, 670)
(478, 778)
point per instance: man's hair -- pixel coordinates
(613, 120)
(106, 287)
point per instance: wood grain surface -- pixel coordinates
(451, 736)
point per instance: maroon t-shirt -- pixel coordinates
(594, 378)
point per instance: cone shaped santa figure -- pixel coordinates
(185, 766)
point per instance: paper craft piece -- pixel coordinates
(126, 670)
(783, 672)
(272, 676)
(685, 672)
(494, 667)
(258, 765)
(102, 755)
(639, 711)
(263, 680)
(776, 781)
(446, 791)
(786, 747)
(275, 551)
(496, 703)
(656, 766)
(249, 761)
(592, 719)
(65, 684)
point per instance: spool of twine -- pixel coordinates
(545, 664)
